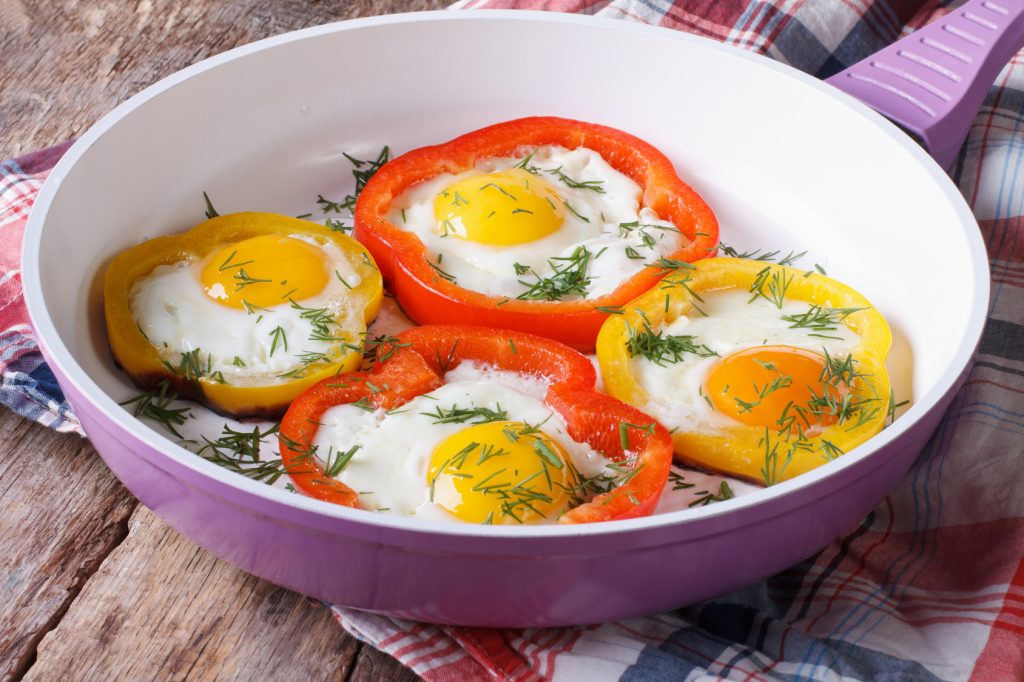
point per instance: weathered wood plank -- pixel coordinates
(373, 665)
(62, 514)
(65, 64)
(161, 608)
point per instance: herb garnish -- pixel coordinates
(776, 282)
(336, 460)
(156, 405)
(758, 254)
(464, 415)
(568, 278)
(662, 349)
(441, 273)
(592, 185)
(362, 175)
(704, 498)
(239, 451)
(210, 212)
(819, 318)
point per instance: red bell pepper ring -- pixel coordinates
(416, 364)
(431, 299)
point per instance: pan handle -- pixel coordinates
(932, 82)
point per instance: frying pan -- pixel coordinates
(786, 161)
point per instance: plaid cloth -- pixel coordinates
(929, 586)
(28, 386)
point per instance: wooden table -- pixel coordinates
(92, 585)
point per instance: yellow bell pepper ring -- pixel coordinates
(242, 268)
(765, 410)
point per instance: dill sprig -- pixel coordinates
(614, 477)
(775, 462)
(521, 497)
(524, 164)
(267, 471)
(592, 185)
(445, 363)
(278, 338)
(210, 212)
(321, 320)
(362, 171)
(156, 405)
(679, 481)
(191, 367)
(647, 240)
(229, 263)
(624, 432)
(662, 349)
(328, 206)
(576, 213)
(683, 282)
(890, 415)
(775, 281)
(819, 318)
(501, 189)
(568, 278)
(516, 431)
(307, 360)
(239, 451)
(448, 277)
(840, 371)
(464, 415)
(380, 348)
(338, 226)
(704, 497)
(244, 279)
(453, 462)
(758, 254)
(672, 264)
(336, 460)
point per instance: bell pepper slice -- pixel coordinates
(416, 364)
(758, 454)
(429, 298)
(148, 367)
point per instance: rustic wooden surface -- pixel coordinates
(92, 585)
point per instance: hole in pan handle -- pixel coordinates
(932, 82)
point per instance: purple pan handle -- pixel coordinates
(932, 82)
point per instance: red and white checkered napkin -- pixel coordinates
(930, 585)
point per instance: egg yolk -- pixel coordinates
(773, 386)
(508, 207)
(499, 473)
(264, 271)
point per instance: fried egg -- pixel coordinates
(510, 224)
(254, 311)
(483, 448)
(744, 363)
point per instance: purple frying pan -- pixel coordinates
(930, 83)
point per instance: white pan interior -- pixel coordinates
(785, 162)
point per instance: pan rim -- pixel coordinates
(58, 353)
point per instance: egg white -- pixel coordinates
(490, 269)
(733, 323)
(389, 470)
(177, 316)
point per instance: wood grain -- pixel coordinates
(62, 514)
(120, 599)
(67, 63)
(161, 608)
